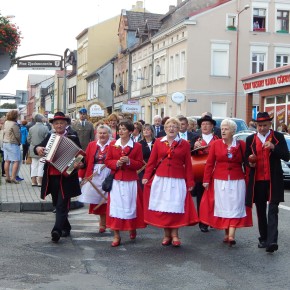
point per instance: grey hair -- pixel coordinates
(232, 125)
(103, 126)
(38, 118)
(157, 117)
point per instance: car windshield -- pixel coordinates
(241, 124)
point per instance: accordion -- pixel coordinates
(62, 153)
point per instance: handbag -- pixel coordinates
(108, 183)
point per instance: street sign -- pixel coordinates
(39, 64)
(192, 100)
(126, 108)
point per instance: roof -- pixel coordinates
(36, 79)
(137, 20)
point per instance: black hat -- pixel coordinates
(262, 117)
(206, 118)
(59, 116)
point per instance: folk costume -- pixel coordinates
(125, 206)
(223, 203)
(266, 181)
(97, 171)
(167, 201)
(61, 187)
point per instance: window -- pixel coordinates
(259, 19)
(177, 66)
(232, 21)
(182, 64)
(258, 62)
(280, 99)
(220, 59)
(163, 70)
(92, 92)
(171, 68)
(150, 75)
(283, 21)
(270, 100)
(139, 76)
(145, 77)
(281, 60)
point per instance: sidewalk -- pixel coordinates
(23, 197)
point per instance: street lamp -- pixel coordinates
(67, 54)
(237, 60)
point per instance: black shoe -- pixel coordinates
(65, 233)
(203, 228)
(55, 236)
(272, 248)
(262, 244)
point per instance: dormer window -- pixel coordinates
(259, 19)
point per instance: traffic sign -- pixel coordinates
(39, 64)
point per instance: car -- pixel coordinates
(285, 164)
(241, 124)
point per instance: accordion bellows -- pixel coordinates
(62, 153)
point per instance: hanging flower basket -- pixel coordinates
(10, 37)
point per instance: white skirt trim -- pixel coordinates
(167, 194)
(229, 197)
(123, 199)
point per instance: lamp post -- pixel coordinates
(66, 60)
(237, 60)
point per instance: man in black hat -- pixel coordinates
(266, 178)
(202, 141)
(61, 187)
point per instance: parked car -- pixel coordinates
(241, 124)
(285, 165)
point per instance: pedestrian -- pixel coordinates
(11, 146)
(84, 129)
(136, 135)
(223, 202)
(24, 142)
(37, 133)
(167, 200)
(264, 151)
(61, 187)
(158, 127)
(94, 174)
(113, 124)
(125, 202)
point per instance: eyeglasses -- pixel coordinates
(171, 127)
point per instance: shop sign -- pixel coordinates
(178, 98)
(268, 82)
(96, 111)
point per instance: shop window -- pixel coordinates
(281, 60)
(259, 19)
(281, 99)
(288, 97)
(282, 21)
(270, 100)
(258, 62)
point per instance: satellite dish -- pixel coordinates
(113, 86)
(158, 70)
(5, 64)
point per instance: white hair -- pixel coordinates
(103, 126)
(232, 125)
(157, 117)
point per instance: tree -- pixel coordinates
(8, 106)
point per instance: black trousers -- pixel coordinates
(62, 206)
(268, 226)
(25, 148)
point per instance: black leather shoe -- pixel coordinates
(272, 248)
(65, 233)
(203, 228)
(55, 236)
(262, 244)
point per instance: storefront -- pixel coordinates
(273, 87)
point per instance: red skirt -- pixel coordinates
(206, 213)
(127, 224)
(169, 220)
(101, 210)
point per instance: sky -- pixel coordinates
(52, 26)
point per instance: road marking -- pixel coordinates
(284, 207)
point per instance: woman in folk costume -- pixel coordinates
(223, 203)
(167, 200)
(94, 174)
(125, 208)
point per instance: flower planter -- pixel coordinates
(282, 31)
(232, 28)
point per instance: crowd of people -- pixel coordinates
(155, 173)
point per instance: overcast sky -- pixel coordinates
(52, 26)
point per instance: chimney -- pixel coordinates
(171, 7)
